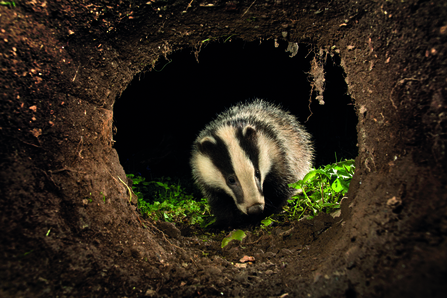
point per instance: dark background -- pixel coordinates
(159, 115)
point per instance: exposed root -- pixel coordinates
(197, 51)
(317, 72)
(310, 102)
(189, 5)
(248, 8)
(316, 75)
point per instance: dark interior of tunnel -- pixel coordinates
(160, 113)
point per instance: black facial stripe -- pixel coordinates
(270, 133)
(249, 144)
(239, 193)
(266, 128)
(219, 154)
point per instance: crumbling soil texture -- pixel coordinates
(69, 227)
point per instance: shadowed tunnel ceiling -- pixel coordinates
(161, 112)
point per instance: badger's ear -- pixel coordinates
(249, 133)
(207, 145)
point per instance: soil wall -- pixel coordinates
(69, 226)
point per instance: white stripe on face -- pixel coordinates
(267, 152)
(209, 173)
(244, 170)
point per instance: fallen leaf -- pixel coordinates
(234, 235)
(247, 259)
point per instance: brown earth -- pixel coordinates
(63, 65)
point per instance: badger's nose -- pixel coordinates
(255, 209)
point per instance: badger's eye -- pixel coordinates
(257, 174)
(231, 180)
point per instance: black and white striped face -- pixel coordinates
(236, 160)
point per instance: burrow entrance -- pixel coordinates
(161, 112)
(68, 225)
(186, 91)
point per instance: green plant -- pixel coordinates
(164, 200)
(139, 185)
(28, 252)
(321, 190)
(234, 235)
(8, 3)
(266, 222)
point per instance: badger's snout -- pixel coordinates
(255, 209)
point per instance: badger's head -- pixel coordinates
(236, 159)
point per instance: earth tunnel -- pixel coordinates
(69, 225)
(177, 102)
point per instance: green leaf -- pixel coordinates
(322, 190)
(336, 185)
(234, 235)
(310, 175)
(266, 222)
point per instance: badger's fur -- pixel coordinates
(244, 160)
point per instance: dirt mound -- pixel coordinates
(69, 226)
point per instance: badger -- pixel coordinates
(244, 160)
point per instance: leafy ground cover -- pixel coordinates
(167, 200)
(321, 190)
